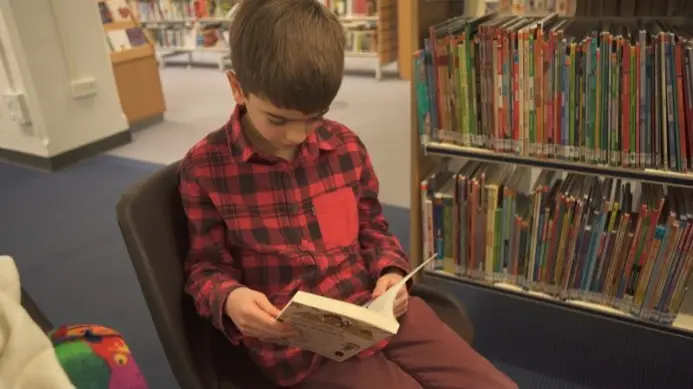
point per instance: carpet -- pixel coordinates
(61, 229)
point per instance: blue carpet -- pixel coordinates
(62, 231)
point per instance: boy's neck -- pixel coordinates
(260, 143)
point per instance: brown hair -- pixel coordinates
(289, 52)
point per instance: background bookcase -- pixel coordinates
(187, 27)
(134, 63)
(426, 156)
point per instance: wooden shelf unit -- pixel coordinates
(384, 34)
(425, 157)
(137, 77)
(194, 26)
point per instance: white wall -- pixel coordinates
(49, 44)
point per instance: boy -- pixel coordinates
(282, 199)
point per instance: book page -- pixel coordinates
(385, 303)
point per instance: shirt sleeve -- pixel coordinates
(381, 250)
(210, 268)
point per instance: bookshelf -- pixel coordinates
(134, 63)
(187, 27)
(632, 263)
(372, 34)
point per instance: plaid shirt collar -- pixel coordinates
(322, 139)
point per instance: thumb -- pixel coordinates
(264, 304)
(381, 287)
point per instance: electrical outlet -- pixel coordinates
(84, 87)
(17, 107)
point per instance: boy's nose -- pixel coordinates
(296, 136)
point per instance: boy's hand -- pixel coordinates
(387, 281)
(255, 316)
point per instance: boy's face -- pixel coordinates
(283, 129)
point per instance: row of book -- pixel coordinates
(114, 11)
(361, 40)
(562, 7)
(167, 10)
(621, 8)
(351, 7)
(602, 92)
(571, 237)
(190, 37)
(125, 39)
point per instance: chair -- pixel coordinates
(154, 229)
(34, 312)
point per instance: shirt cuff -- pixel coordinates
(389, 261)
(221, 320)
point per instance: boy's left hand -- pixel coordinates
(384, 283)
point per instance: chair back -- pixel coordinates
(153, 225)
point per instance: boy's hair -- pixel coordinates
(288, 52)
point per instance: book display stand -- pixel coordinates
(552, 157)
(134, 64)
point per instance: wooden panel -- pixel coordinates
(423, 15)
(119, 25)
(132, 54)
(139, 88)
(387, 31)
(414, 18)
(405, 37)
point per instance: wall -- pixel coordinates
(48, 46)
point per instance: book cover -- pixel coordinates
(120, 10)
(338, 330)
(136, 37)
(119, 40)
(105, 12)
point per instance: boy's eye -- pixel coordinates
(277, 122)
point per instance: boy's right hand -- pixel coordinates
(255, 316)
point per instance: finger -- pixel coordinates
(401, 309)
(401, 299)
(400, 305)
(269, 326)
(380, 288)
(264, 304)
(402, 292)
(271, 322)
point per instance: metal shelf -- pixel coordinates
(648, 175)
(682, 327)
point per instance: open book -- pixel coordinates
(339, 330)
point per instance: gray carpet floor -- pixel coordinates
(61, 229)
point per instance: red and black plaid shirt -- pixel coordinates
(313, 224)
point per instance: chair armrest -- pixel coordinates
(448, 308)
(35, 312)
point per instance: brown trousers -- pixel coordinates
(425, 354)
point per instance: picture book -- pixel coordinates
(136, 36)
(339, 330)
(119, 40)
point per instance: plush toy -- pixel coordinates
(96, 357)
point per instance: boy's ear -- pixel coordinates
(235, 88)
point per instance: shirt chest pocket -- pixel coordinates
(337, 216)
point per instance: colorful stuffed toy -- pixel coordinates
(96, 357)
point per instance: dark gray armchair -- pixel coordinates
(154, 228)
